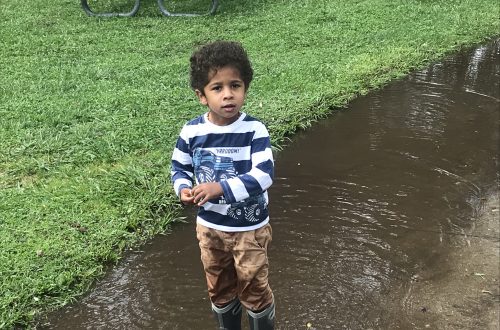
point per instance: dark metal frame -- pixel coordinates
(161, 4)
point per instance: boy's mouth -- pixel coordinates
(229, 107)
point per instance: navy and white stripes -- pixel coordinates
(239, 157)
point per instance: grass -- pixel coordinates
(90, 109)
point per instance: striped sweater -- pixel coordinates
(239, 157)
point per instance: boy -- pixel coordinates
(228, 154)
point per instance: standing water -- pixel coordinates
(364, 205)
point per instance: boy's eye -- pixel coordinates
(216, 88)
(236, 85)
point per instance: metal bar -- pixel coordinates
(89, 11)
(164, 11)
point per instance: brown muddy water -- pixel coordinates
(363, 203)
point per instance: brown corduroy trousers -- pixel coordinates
(236, 265)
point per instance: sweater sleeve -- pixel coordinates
(260, 177)
(182, 165)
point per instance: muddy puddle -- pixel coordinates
(365, 205)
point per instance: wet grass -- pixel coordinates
(90, 109)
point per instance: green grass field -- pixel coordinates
(90, 109)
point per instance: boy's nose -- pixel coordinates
(228, 93)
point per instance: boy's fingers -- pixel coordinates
(201, 200)
(185, 197)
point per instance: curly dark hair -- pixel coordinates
(210, 57)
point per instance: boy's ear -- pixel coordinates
(202, 98)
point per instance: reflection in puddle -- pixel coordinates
(361, 204)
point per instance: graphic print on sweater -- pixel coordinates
(250, 209)
(209, 167)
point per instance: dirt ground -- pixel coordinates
(465, 294)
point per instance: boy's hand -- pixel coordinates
(206, 191)
(186, 196)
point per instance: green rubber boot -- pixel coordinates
(263, 320)
(229, 316)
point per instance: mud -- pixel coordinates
(465, 293)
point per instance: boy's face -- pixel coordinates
(224, 95)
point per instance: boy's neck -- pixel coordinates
(211, 120)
